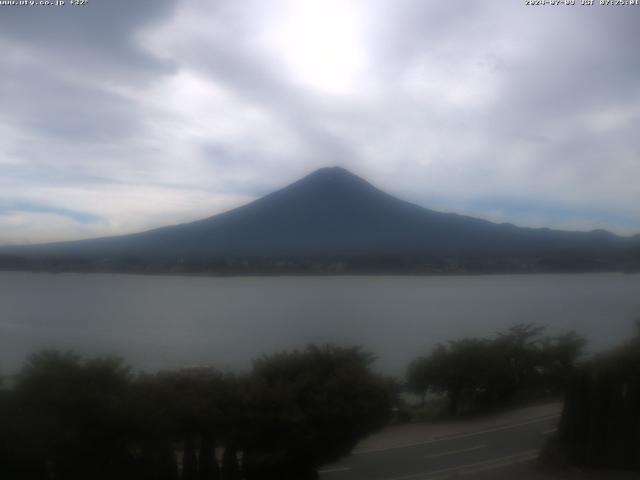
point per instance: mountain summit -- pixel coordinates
(334, 213)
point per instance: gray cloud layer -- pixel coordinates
(120, 116)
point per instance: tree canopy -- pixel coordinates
(71, 418)
(484, 372)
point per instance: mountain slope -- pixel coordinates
(332, 212)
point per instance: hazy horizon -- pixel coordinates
(118, 117)
(323, 168)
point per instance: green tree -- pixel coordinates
(476, 372)
(311, 407)
(187, 411)
(600, 424)
(70, 416)
(560, 356)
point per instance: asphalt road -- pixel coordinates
(461, 454)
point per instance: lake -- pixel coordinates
(157, 322)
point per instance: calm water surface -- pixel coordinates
(166, 321)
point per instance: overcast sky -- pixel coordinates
(124, 115)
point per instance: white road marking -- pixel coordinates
(453, 452)
(487, 465)
(470, 468)
(463, 435)
(334, 470)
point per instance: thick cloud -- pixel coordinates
(119, 116)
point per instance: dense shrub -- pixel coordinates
(476, 373)
(600, 425)
(67, 418)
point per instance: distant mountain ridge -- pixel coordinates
(334, 213)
